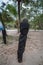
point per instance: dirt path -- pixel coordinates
(33, 54)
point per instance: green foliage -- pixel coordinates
(5, 17)
(10, 25)
(12, 9)
(35, 7)
(26, 1)
(37, 23)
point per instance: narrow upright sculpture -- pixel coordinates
(24, 27)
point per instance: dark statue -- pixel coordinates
(24, 27)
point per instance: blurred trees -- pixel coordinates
(12, 9)
(37, 23)
(32, 9)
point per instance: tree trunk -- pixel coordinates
(19, 16)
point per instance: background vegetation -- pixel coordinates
(32, 9)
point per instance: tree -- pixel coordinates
(37, 23)
(12, 9)
(30, 8)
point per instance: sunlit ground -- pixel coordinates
(33, 54)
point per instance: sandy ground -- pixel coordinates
(33, 54)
